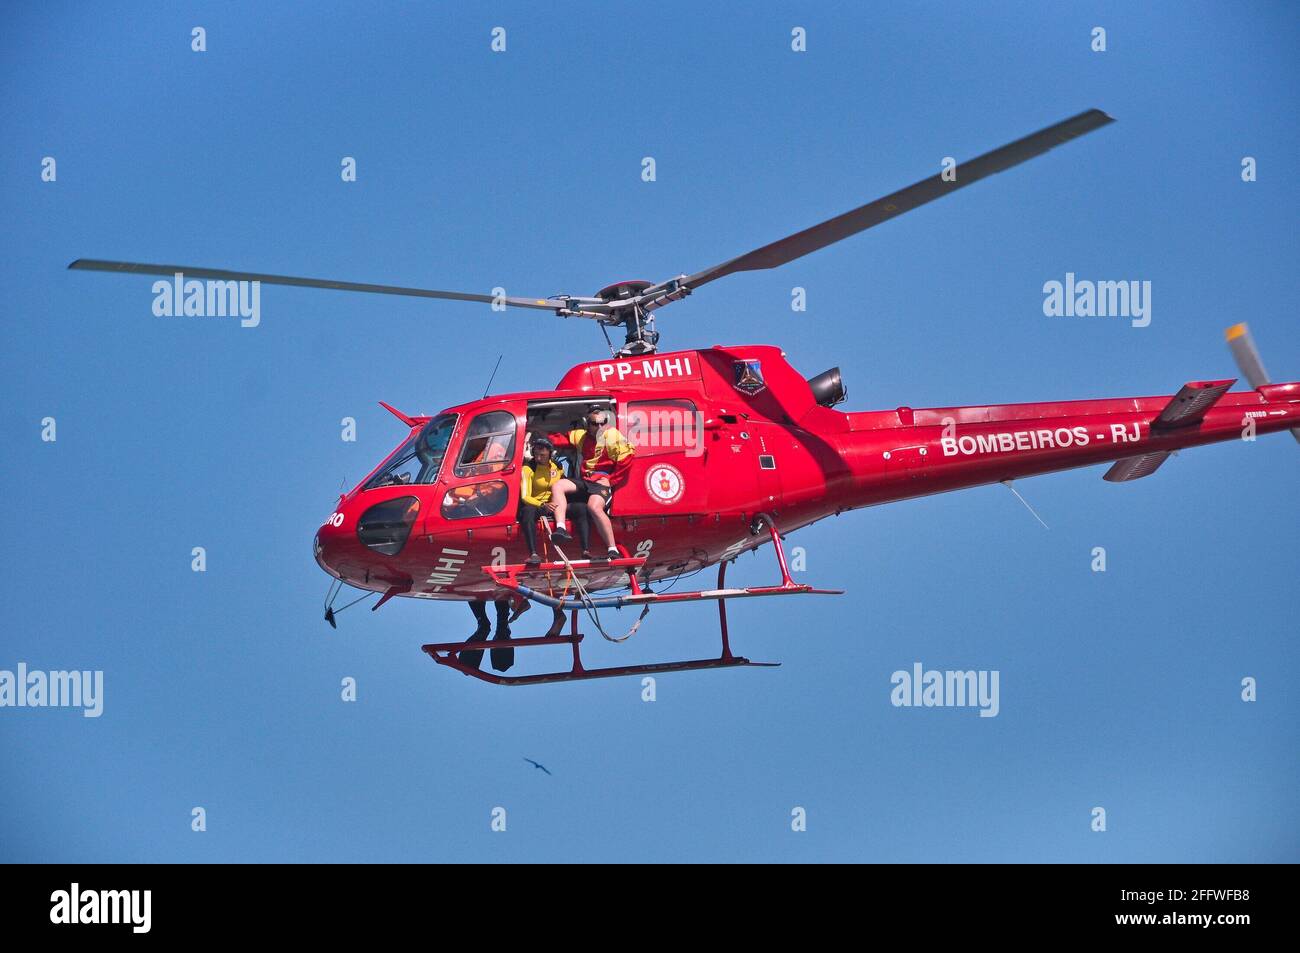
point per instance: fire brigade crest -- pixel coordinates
(748, 377)
(665, 484)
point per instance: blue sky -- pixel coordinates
(522, 169)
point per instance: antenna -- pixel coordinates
(494, 375)
(1007, 484)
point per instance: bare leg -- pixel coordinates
(558, 492)
(596, 507)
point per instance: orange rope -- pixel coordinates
(568, 570)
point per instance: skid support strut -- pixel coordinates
(509, 577)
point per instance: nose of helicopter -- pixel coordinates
(327, 544)
(318, 550)
(348, 543)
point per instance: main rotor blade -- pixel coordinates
(881, 210)
(220, 274)
(1246, 355)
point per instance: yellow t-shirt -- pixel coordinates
(536, 488)
(609, 453)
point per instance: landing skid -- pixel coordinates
(448, 653)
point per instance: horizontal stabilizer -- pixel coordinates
(1189, 405)
(1135, 468)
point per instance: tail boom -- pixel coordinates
(934, 450)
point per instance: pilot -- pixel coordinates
(604, 459)
(494, 452)
(538, 481)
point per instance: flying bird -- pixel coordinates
(536, 765)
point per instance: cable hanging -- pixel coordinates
(588, 606)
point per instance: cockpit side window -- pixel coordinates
(489, 444)
(419, 459)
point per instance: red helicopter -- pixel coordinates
(733, 449)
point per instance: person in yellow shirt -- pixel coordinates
(539, 482)
(604, 459)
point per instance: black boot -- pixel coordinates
(503, 658)
(474, 657)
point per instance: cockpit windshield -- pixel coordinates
(420, 458)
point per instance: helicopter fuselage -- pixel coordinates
(725, 438)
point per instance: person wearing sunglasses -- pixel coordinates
(604, 458)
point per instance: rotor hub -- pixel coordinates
(620, 290)
(641, 337)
